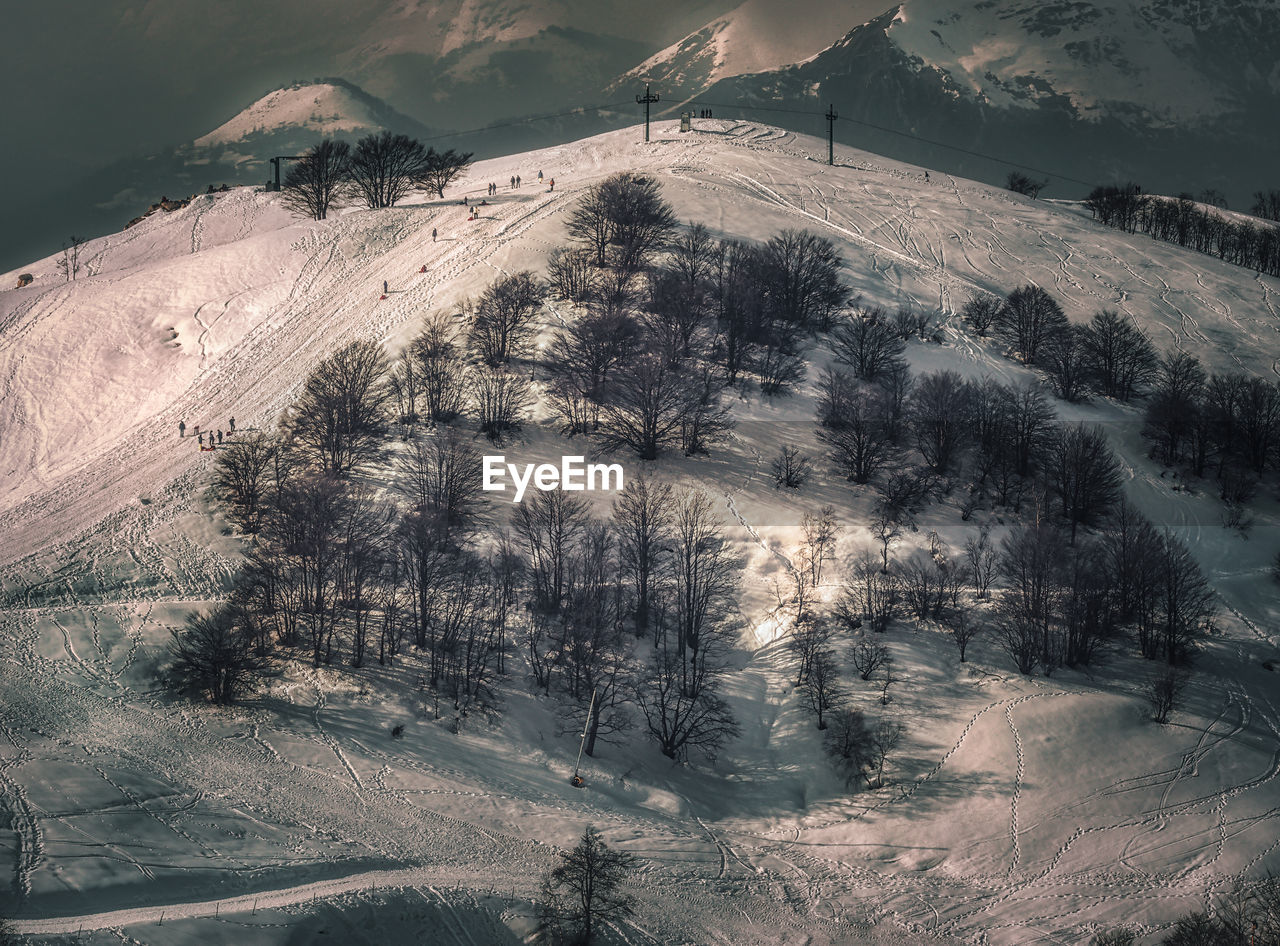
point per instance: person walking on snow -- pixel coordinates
(553, 184)
(433, 234)
(219, 436)
(517, 180)
(233, 425)
(513, 182)
(384, 287)
(200, 437)
(182, 428)
(539, 177)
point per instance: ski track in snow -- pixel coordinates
(912, 246)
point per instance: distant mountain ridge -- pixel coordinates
(1162, 91)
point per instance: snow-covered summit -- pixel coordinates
(325, 108)
(1019, 796)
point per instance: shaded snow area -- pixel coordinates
(1018, 810)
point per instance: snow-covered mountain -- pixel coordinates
(755, 36)
(1019, 805)
(1174, 93)
(326, 108)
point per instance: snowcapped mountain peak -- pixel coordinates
(327, 107)
(1100, 57)
(755, 36)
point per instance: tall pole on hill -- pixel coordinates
(831, 134)
(645, 100)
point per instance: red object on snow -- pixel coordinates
(471, 218)
(380, 298)
(424, 268)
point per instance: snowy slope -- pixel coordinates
(1013, 819)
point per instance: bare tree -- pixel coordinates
(642, 517)
(885, 529)
(339, 422)
(585, 891)
(802, 274)
(704, 571)
(870, 595)
(213, 654)
(866, 343)
(642, 221)
(315, 181)
(1184, 599)
(804, 643)
(883, 740)
(572, 275)
(384, 167)
(405, 384)
(936, 417)
(1163, 688)
(790, 468)
(69, 261)
(1027, 319)
(241, 475)
(963, 629)
(1066, 359)
(1020, 183)
(821, 530)
(442, 478)
(1083, 473)
(439, 374)
(646, 408)
(821, 688)
(1119, 359)
(623, 212)
(856, 426)
(439, 169)
(868, 656)
(923, 584)
(980, 312)
(1174, 403)
(679, 700)
(501, 401)
(981, 554)
(502, 324)
(549, 525)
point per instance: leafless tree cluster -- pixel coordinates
(318, 180)
(1020, 183)
(1061, 599)
(659, 567)
(1249, 912)
(1225, 425)
(1266, 204)
(380, 170)
(1188, 223)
